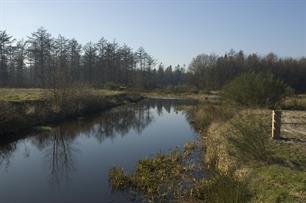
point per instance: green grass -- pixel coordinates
(221, 188)
(290, 155)
(276, 183)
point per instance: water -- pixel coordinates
(71, 163)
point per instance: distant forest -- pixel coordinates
(43, 61)
(213, 72)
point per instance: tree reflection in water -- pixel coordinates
(59, 156)
(6, 152)
(60, 149)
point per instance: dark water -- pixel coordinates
(71, 163)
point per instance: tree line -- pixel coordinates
(44, 61)
(213, 72)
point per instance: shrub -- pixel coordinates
(250, 138)
(202, 115)
(255, 89)
(221, 188)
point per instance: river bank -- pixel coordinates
(27, 110)
(240, 143)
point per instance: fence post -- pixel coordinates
(276, 124)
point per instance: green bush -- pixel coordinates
(255, 89)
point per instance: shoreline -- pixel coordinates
(30, 116)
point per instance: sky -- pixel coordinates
(172, 31)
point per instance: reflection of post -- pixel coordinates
(276, 124)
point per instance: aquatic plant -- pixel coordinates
(171, 176)
(165, 176)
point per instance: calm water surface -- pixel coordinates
(71, 163)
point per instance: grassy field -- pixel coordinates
(14, 95)
(36, 94)
(211, 97)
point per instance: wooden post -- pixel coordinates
(276, 124)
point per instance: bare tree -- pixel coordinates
(40, 55)
(5, 46)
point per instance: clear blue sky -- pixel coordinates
(171, 31)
